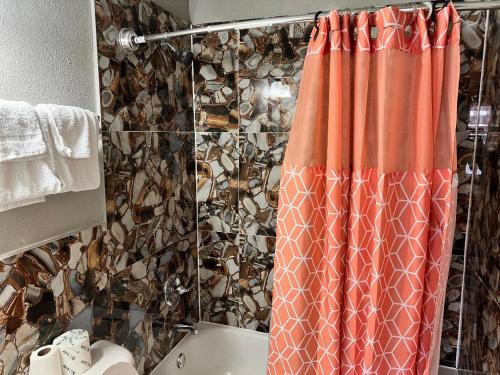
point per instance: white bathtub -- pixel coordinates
(223, 350)
(218, 350)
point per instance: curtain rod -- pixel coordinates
(130, 41)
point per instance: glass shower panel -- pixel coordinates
(471, 52)
(480, 347)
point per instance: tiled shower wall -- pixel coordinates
(246, 86)
(109, 279)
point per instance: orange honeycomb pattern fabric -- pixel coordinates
(368, 197)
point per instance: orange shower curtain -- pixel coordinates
(367, 198)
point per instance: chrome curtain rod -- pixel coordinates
(130, 41)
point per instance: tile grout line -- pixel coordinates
(239, 236)
(469, 209)
(196, 183)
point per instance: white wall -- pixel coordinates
(48, 55)
(207, 11)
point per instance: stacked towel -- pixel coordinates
(25, 175)
(20, 134)
(47, 149)
(72, 143)
(26, 182)
(69, 127)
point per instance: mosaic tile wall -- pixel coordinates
(109, 280)
(146, 90)
(239, 170)
(246, 85)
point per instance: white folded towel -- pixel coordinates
(69, 127)
(71, 134)
(25, 182)
(20, 133)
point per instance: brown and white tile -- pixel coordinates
(271, 63)
(261, 156)
(215, 81)
(150, 193)
(146, 89)
(141, 320)
(256, 281)
(219, 274)
(217, 185)
(43, 290)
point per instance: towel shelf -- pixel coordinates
(67, 74)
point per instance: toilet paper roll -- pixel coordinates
(74, 350)
(45, 360)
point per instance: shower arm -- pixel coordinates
(130, 41)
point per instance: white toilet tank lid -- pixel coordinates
(107, 356)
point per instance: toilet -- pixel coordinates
(110, 359)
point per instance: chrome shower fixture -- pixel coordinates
(129, 41)
(185, 57)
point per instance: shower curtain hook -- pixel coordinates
(430, 6)
(316, 16)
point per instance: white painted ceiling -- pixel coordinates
(209, 11)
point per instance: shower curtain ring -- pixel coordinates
(316, 17)
(430, 6)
